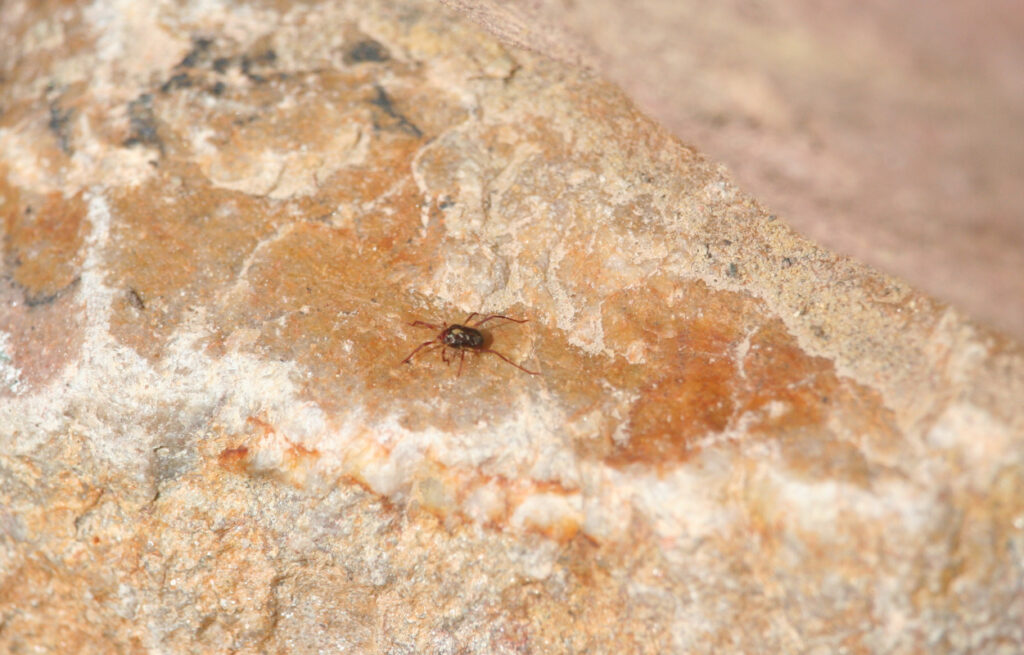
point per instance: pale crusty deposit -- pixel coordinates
(219, 221)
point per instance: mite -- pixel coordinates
(462, 339)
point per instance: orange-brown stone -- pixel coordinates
(210, 439)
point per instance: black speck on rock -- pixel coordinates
(367, 50)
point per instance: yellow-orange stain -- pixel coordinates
(42, 253)
(297, 458)
(722, 370)
(434, 488)
(234, 459)
(674, 412)
(43, 240)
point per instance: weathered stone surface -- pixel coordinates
(217, 227)
(877, 129)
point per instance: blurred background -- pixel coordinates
(892, 132)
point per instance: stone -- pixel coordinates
(218, 226)
(877, 130)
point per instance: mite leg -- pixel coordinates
(462, 358)
(507, 318)
(418, 348)
(427, 325)
(495, 352)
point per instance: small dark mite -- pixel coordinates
(463, 338)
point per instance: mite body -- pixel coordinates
(461, 336)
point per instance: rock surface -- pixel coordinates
(886, 131)
(217, 226)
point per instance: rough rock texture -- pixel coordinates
(218, 223)
(890, 131)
